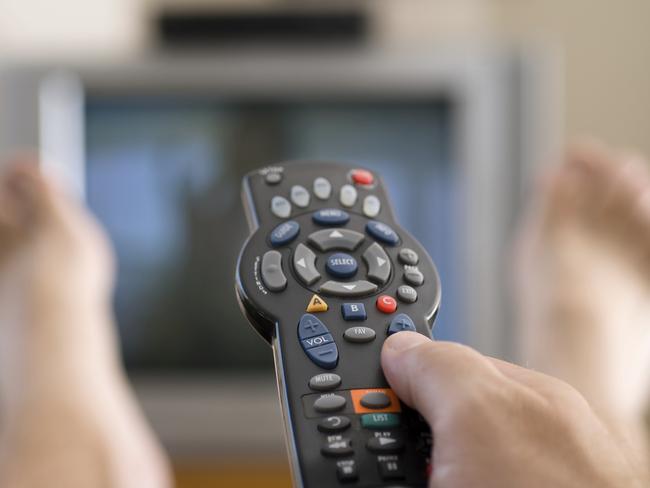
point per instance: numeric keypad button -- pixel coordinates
(300, 196)
(280, 207)
(322, 188)
(348, 195)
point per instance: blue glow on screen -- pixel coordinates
(164, 179)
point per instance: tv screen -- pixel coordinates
(164, 177)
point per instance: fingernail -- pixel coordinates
(405, 340)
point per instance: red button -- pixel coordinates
(386, 304)
(362, 177)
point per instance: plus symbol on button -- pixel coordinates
(402, 324)
(311, 325)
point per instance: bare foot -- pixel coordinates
(583, 280)
(68, 416)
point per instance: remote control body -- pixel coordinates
(325, 276)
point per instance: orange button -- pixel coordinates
(357, 395)
(386, 304)
(362, 177)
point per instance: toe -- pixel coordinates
(628, 178)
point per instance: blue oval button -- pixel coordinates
(310, 326)
(326, 356)
(341, 265)
(330, 216)
(382, 232)
(401, 323)
(284, 233)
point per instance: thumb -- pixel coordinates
(434, 377)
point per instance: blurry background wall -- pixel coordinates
(604, 42)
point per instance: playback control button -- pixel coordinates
(386, 445)
(337, 448)
(317, 342)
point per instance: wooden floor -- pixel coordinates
(235, 475)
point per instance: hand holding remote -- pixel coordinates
(498, 425)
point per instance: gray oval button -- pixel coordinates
(324, 381)
(375, 400)
(359, 334)
(413, 276)
(329, 403)
(407, 294)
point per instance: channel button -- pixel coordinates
(272, 274)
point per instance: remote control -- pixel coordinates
(325, 276)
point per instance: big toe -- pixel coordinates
(25, 194)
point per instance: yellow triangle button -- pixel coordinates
(317, 304)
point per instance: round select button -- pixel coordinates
(341, 265)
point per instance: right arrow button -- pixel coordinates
(378, 263)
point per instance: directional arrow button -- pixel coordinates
(378, 263)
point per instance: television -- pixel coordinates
(157, 148)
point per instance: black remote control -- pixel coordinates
(325, 276)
